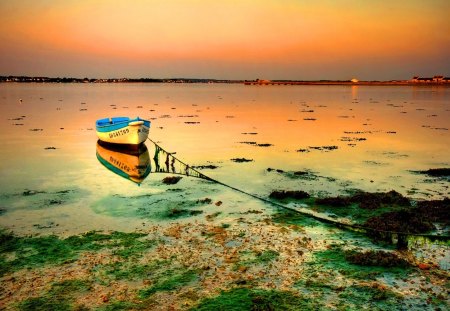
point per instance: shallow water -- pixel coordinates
(56, 178)
(52, 179)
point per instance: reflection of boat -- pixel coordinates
(134, 164)
(123, 130)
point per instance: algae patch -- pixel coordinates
(60, 297)
(238, 299)
(168, 281)
(29, 252)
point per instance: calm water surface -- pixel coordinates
(374, 138)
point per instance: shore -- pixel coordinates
(244, 259)
(26, 79)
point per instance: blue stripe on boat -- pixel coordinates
(112, 167)
(121, 173)
(104, 125)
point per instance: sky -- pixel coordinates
(227, 39)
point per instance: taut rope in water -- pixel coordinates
(190, 171)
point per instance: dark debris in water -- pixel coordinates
(375, 258)
(204, 201)
(201, 167)
(323, 148)
(406, 221)
(304, 175)
(171, 180)
(31, 192)
(254, 143)
(241, 160)
(320, 148)
(367, 200)
(414, 220)
(178, 212)
(289, 194)
(436, 172)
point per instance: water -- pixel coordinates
(326, 140)
(382, 134)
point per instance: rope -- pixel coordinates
(346, 226)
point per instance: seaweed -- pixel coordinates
(435, 210)
(367, 200)
(169, 281)
(359, 265)
(60, 297)
(241, 160)
(437, 172)
(257, 258)
(33, 252)
(287, 217)
(289, 194)
(129, 271)
(242, 298)
(376, 258)
(406, 221)
(373, 296)
(171, 180)
(123, 305)
(179, 212)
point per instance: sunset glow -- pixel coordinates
(230, 39)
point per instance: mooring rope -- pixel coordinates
(348, 226)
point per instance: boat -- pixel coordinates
(131, 164)
(122, 130)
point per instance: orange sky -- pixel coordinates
(243, 39)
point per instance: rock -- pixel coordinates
(171, 180)
(284, 194)
(424, 266)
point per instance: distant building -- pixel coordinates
(438, 78)
(435, 79)
(263, 82)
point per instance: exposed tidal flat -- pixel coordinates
(77, 236)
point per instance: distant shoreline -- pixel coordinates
(26, 79)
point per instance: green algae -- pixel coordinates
(175, 213)
(168, 281)
(372, 297)
(337, 260)
(360, 205)
(28, 252)
(287, 217)
(129, 270)
(60, 297)
(122, 305)
(266, 256)
(375, 258)
(39, 200)
(241, 299)
(365, 293)
(256, 258)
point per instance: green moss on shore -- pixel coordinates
(239, 299)
(169, 281)
(28, 252)
(361, 265)
(59, 297)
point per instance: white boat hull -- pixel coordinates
(123, 130)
